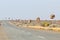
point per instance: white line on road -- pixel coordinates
(41, 37)
(22, 31)
(25, 32)
(29, 33)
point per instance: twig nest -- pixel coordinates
(52, 16)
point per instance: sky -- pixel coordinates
(29, 9)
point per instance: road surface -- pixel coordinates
(12, 32)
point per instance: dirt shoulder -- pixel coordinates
(3, 35)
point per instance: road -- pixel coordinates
(12, 32)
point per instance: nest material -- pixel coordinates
(52, 16)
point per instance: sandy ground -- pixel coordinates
(3, 35)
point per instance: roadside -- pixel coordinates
(3, 35)
(56, 29)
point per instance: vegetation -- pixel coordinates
(29, 21)
(45, 24)
(54, 25)
(38, 20)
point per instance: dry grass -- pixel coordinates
(34, 25)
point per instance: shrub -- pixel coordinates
(45, 24)
(38, 20)
(54, 25)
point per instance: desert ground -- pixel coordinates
(9, 30)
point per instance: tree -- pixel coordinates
(38, 20)
(29, 21)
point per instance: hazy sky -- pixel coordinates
(29, 9)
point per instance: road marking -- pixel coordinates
(29, 33)
(41, 37)
(25, 32)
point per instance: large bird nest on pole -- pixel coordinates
(52, 16)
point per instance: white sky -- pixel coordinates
(29, 9)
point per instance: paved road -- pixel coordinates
(15, 33)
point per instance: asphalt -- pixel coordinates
(15, 33)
